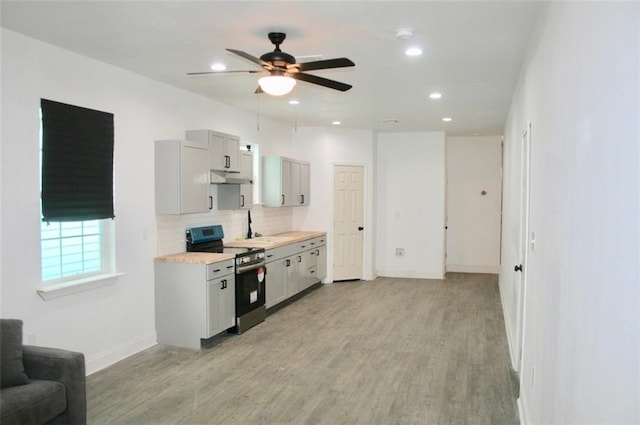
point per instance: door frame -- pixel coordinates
(367, 233)
(523, 246)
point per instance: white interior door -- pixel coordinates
(520, 269)
(348, 225)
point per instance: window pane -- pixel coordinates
(71, 248)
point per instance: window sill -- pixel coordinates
(58, 290)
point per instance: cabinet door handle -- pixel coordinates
(242, 200)
(299, 259)
(282, 202)
(210, 202)
(227, 161)
(301, 199)
(230, 267)
(288, 263)
(223, 284)
(216, 270)
(317, 252)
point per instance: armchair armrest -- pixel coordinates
(64, 366)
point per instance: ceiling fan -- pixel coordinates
(284, 71)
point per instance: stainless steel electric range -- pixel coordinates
(250, 273)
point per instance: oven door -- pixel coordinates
(250, 288)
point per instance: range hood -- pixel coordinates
(220, 177)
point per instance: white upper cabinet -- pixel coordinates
(181, 177)
(246, 165)
(238, 196)
(305, 183)
(285, 182)
(224, 149)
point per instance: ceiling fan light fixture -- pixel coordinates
(276, 85)
(218, 66)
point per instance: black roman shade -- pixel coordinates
(77, 163)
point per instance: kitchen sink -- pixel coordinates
(270, 239)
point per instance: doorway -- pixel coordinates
(348, 222)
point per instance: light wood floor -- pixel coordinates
(389, 351)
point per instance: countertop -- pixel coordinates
(283, 239)
(194, 258)
(261, 242)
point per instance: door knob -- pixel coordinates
(360, 228)
(518, 268)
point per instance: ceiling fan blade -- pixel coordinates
(325, 64)
(265, 65)
(224, 72)
(258, 90)
(314, 79)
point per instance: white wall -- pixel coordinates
(579, 89)
(112, 322)
(324, 148)
(410, 204)
(474, 165)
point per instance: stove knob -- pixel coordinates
(261, 255)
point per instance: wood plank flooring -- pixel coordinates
(389, 351)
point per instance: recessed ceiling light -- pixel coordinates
(294, 102)
(336, 122)
(404, 33)
(218, 66)
(446, 119)
(435, 95)
(413, 51)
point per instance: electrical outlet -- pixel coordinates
(399, 252)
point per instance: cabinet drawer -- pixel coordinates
(280, 252)
(315, 242)
(304, 246)
(222, 268)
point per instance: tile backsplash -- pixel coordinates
(267, 221)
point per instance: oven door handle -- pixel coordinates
(244, 269)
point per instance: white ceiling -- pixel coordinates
(473, 52)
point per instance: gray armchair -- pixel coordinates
(39, 385)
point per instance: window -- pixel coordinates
(77, 193)
(75, 248)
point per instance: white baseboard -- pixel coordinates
(515, 364)
(523, 412)
(107, 358)
(408, 274)
(473, 269)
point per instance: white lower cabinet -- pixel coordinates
(221, 307)
(322, 262)
(276, 288)
(193, 301)
(294, 268)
